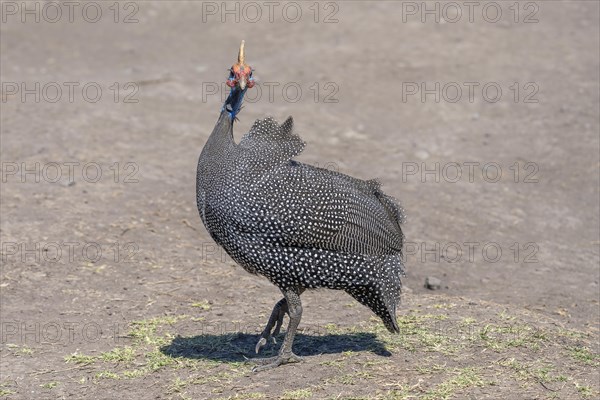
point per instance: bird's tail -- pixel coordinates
(383, 295)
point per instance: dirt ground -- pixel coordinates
(484, 123)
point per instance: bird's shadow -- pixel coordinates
(236, 347)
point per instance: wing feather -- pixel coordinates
(295, 204)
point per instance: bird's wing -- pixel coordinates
(294, 204)
(329, 210)
(268, 144)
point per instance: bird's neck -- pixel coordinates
(233, 103)
(221, 139)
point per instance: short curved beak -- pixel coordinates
(242, 82)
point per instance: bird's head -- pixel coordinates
(240, 74)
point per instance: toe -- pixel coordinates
(260, 344)
(272, 362)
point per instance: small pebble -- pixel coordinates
(432, 283)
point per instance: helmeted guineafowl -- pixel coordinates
(300, 226)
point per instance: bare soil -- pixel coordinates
(112, 288)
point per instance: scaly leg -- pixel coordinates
(285, 356)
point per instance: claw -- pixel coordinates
(260, 344)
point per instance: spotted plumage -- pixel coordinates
(300, 226)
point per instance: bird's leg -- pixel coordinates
(284, 310)
(276, 319)
(286, 356)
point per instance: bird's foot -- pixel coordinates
(272, 362)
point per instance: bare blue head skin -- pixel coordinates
(233, 104)
(240, 79)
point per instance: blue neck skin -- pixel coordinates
(233, 104)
